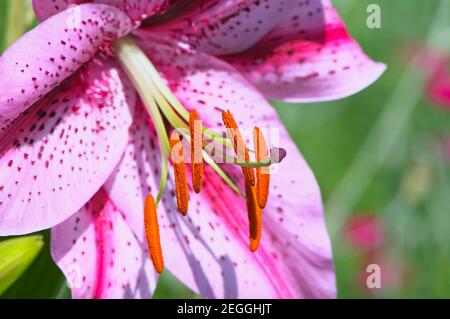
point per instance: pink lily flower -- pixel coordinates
(80, 146)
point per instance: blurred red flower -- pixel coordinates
(436, 66)
(364, 231)
(367, 233)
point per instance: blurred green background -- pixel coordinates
(376, 155)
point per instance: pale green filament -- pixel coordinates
(163, 90)
(131, 58)
(209, 160)
(158, 98)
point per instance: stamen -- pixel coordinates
(196, 150)
(159, 101)
(181, 186)
(239, 145)
(262, 173)
(158, 98)
(152, 233)
(254, 216)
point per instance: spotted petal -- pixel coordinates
(54, 50)
(137, 10)
(310, 57)
(99, 254)
(225, 27)
(208, 250)
(59, 153)
(45, 9)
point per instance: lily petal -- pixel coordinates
(59, 47)
(59, 153)
(99, 254)
(208, 250)
(225, 27)
(137, 10)
(139, 167)
(45, 9)
(309, 58)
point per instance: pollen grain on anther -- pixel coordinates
(238, 144)
(254, 216)
(262, 173)
(181, 186)
(152, 233)
(196, 129)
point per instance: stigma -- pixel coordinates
(166, 111)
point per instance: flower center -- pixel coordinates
(163, 107)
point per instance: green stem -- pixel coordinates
(15, 25)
